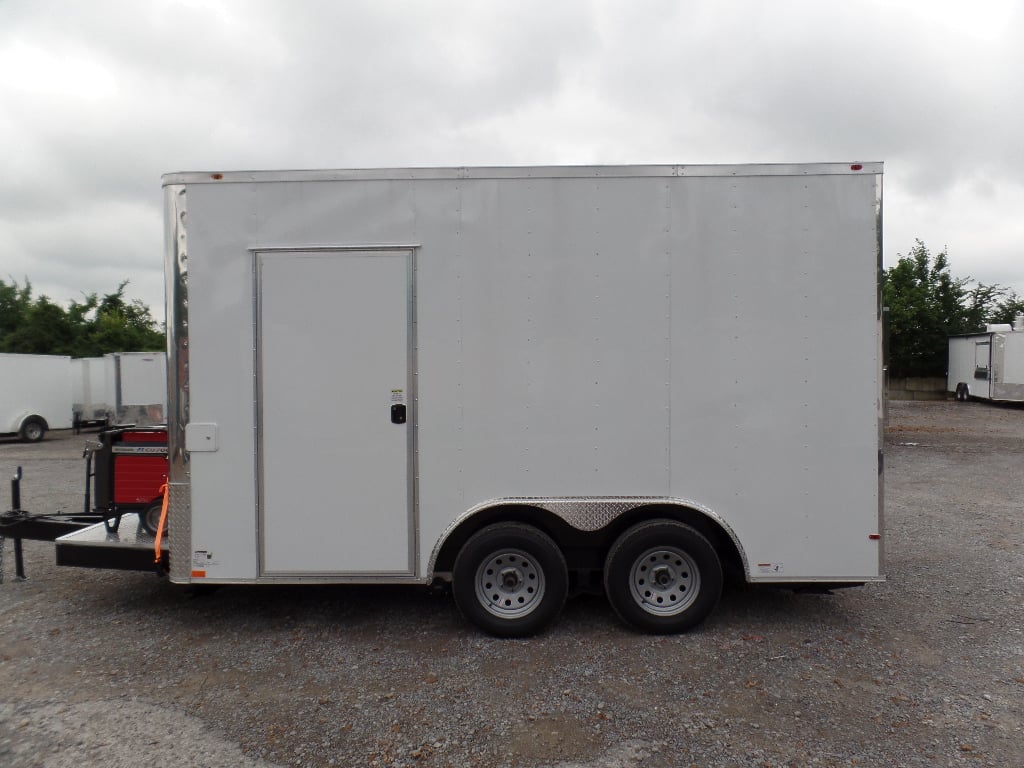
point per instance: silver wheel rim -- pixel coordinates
(664, 581)
(33, 431)
(510, 584)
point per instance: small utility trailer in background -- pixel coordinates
(499, 377)
(120, 388)
(989, 365)
(91, 404)
(137, 387)
(35, 395)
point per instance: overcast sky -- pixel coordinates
(99, 98)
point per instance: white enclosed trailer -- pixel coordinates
(138, 387)
(35, 395)
(91, 404)
(500, 377)
(120, 388)
(988, 365)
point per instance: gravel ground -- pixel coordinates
(114, 669)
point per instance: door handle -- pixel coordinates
(398, 413)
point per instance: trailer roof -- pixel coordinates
(975, 334)
(525, 172)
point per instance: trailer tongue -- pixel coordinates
(128, 473)
(129, 548)
(17, 524)
(120, 543)
(124, 479)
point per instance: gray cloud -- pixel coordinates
(102, 98)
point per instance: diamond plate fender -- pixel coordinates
(587, 514)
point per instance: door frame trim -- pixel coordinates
(410, 250)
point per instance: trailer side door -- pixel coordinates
(334, 364)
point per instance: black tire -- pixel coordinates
(150, 517)
(663, 577)
(510, 580)
(33, 429)
(962, 393)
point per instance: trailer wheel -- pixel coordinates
(510, 580)
(962, 393)
(150, 517)
(32, 430)
(663, 577)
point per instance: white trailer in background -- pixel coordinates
(138, 387)
(989, 365)
(497, 377)
(120, 388)
(35, 395)
(91, 403)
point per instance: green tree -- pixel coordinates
(86, 328)
(926, 306)
(119, 325)
(44, 330)
(1010, 305)
(14, 303)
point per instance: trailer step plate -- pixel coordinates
(129, 548)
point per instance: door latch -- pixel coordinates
(398, 413)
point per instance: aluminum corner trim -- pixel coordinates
(176, 298)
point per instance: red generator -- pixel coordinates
(129, 468)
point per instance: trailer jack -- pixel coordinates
(15, 513)
(17, 524)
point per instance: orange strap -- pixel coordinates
(160, 527)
